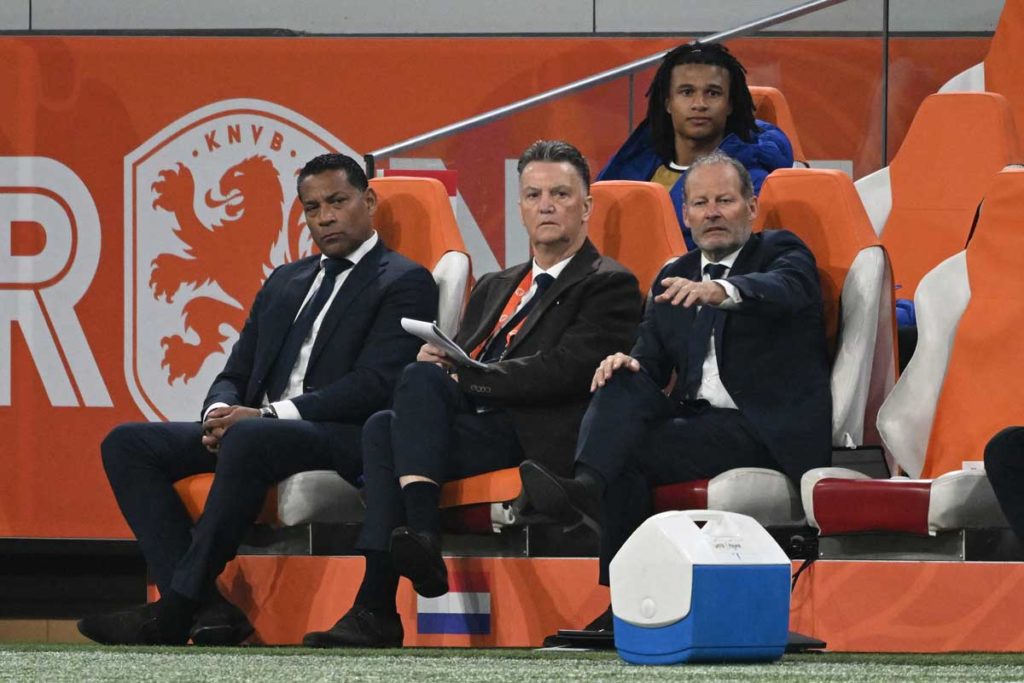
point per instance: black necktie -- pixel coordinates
(700, 333)
(499, 341)
(277, 378)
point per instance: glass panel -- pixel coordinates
(829, 66)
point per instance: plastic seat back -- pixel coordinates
(770, 105)
(955, 144)
(981, 391)
(415, 218)
(1003, 74)
(635, 224)
(823, 209)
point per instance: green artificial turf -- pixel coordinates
(82, 663)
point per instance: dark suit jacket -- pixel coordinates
(543, 381)
(771, 351)
(360, 349)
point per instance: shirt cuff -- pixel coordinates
(732, 295)
(286, 410)
(212, 406)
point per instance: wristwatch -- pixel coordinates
(268, 411)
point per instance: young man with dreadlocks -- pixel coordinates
(697, 103)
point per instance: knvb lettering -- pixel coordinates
(236, 133)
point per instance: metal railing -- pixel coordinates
(585, 83)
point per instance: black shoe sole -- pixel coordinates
(547, 496)
(221, 636)
(325, 639)
(415, 562)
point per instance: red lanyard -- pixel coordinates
(510, 309)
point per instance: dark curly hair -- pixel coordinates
(335, 162)
(741, 121)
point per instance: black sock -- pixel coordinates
(589, 477)
(380, 582)
(421, 500)
(211, 596)
(175, 616)
(176, 604)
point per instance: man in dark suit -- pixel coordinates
(739, 324)
(319, 353)
(541, 327)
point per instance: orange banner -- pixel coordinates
(146, 184)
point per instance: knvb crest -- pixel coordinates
(210, 209)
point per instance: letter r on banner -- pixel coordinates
(49, 250)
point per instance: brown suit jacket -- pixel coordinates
(543, 381)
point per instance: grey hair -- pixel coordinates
(556, 151)
(718, 158)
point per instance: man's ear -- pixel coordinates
(752, 204)
(588, 207)
(370, 197)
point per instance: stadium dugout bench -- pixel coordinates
(961, 387)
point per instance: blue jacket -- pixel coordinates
(637, 160)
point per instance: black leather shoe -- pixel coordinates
(417, 556)
(118, 628)
(151, 624)
(220, 623)
(360, 627)
(564, 500)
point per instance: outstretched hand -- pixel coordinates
(680, 291)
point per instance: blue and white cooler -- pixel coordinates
(699, 586)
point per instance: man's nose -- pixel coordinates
(699, 102)
(547, 204)
(327, 214)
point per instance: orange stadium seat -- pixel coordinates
(770, 105)
(635, 224)
(1000, 72)
(960, 388)
(632, 222)
(415, 218)
(822, 207)
(924, 202)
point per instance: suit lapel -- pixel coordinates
(745, 259)
(582, 264)
(277, 325)
(363, 273)
(504, 285)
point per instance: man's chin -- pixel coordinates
(337, 251)
(717, 245)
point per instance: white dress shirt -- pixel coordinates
(554, 271)
(711, 388)
(286, 410)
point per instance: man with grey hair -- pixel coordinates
(739, 325)
(541, 327)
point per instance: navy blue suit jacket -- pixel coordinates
(771, 350)
(360, 349)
